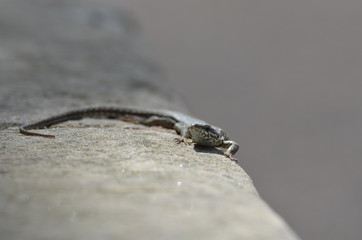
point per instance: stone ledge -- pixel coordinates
(105, 179)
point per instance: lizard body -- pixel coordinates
(200, 132)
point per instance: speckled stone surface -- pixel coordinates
(104, 179)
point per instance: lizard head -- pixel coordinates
(207, 135)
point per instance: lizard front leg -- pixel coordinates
(185, 134)
(232, 148)
(183, 140)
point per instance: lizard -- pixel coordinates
(189, 128)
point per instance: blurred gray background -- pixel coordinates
(283, 78)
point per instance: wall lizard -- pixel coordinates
(189, 128)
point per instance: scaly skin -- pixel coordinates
(200, 132)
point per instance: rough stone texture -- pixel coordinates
(102, 179)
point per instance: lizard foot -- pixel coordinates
(228, 155)
(182, 140)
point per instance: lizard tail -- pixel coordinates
(25, 132)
